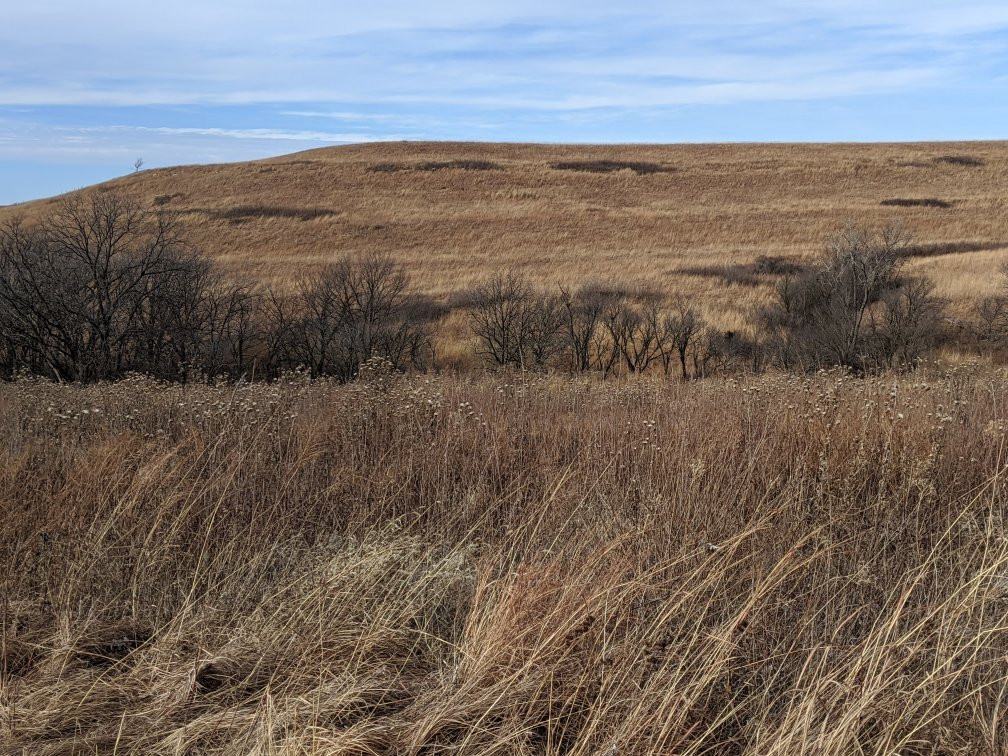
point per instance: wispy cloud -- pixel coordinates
(230, 78)
(258, 58)
(269, 134)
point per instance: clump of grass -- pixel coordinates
(641, 168)
(925, 202)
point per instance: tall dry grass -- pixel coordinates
(505, 565)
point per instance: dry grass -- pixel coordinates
(631, 215)
(480, 565)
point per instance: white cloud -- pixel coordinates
(216, 80)
(114, 53)
(269, 134)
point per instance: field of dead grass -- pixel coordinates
(481, 565)
(681, 219)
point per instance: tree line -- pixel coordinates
(857, 307)
(102, 287)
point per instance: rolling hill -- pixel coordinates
(708, 221)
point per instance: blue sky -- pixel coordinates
(86, 87)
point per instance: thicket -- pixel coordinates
(856, 308)
(103, 287)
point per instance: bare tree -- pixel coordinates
(833, 313)
(103, 286)
(678, 332)
(906, 325)
(513, 323)
(497, 316)
(991, 324)
(633, 332)
(544, 324)
(582, 317)
(76, 286)
(992, 319)
(342, 316)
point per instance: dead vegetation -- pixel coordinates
(493, 566)
(513, 562)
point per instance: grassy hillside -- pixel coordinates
(678, 218)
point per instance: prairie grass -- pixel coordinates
(501, 564)
(632, 215)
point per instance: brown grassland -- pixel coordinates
(480, 565)
(476, 562)
(672, 218)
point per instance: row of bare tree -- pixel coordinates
(857, 307)
(588, 329)
(102, 287)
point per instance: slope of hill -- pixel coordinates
(712, 221)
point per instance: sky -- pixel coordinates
(89, 86)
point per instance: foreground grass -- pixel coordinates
(489, 565)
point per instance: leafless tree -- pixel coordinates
(497, 316)
(75, 286)
(582, 317)
(103, 286)
(633, 332)
(513, 323)
(991, 324)
(991, 319)
(677, 333)
(833, 313)
(906, 325)
(342, 316)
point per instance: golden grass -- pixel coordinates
(712, 205)
(504, 566)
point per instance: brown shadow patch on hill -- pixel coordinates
(922, 202)
(611, 166)
(937, 249)
(164, 199)
(967, 161)
(747, 274)
(463, 164)
(242, 213)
